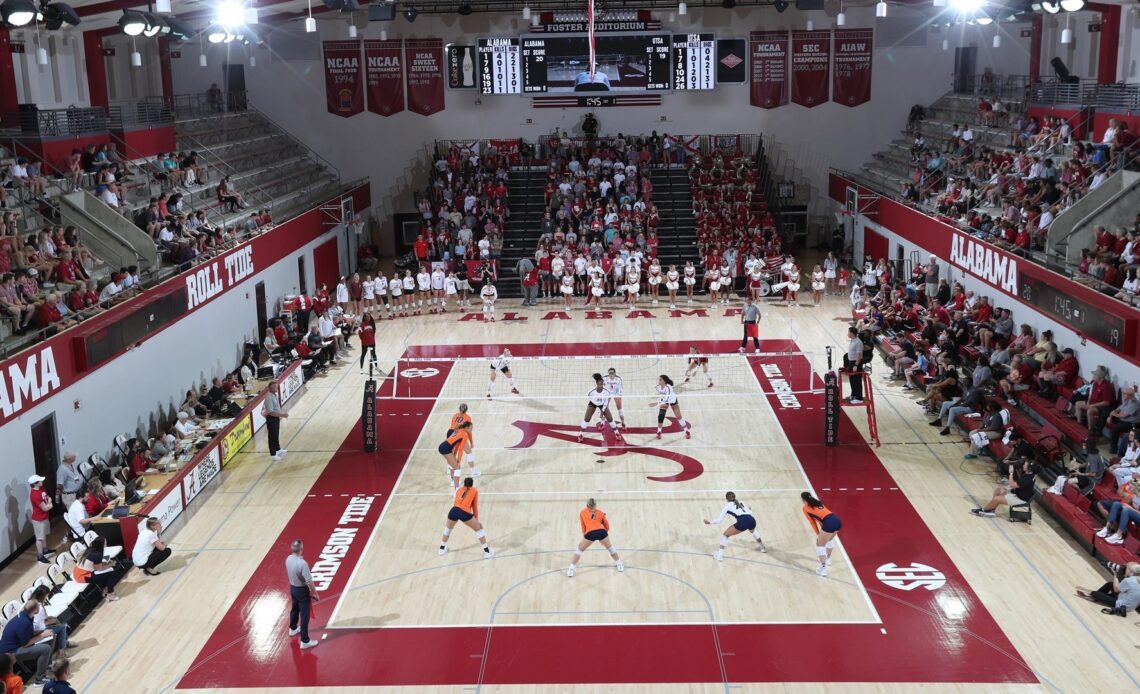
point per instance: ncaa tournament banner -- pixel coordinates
(384, 70)
(851, 73)
(811, 62)
(768, 53)
(344, 86)
(423, 61)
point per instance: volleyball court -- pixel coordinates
(535, 476)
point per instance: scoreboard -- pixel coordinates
(499, 66)
(694, 61)
(624, 62)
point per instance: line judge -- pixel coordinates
(750, 319)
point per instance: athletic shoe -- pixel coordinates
(42, 559)
(983, 513)
(672, 306)
(763, 549)
(757, 350)
(719, 556)
(310, 644)
(579, 438)
(1116, 539)
(488, 552)
(945, 432)
(659, 434)
(281, 452)
(970, 456)
(275, 457)
(620, 567)
(570, 572)
(936, 423)
(689, 433)
(475, 472)
(710, 384)
(740, 349)
(828, 563)
(515, 391)
(1103, 532)
(821, 571)
(294, 632)
(855, 401)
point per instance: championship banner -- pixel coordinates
(384, 71)
(851, 74)
(811, 61)
(344, 88)
(768, 52)
(424, 68)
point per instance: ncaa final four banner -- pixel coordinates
(384, 70)
(851, 73)
(344, 87)
(768, 52)
(423, 65)
(811, 63)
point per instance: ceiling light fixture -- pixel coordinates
(132, 23)
(1067, 32)
(997, 40)
(526, 12)
(682, 8)
(881, 9)
(1051, 7)
(17, 12)
(464, 9)
(162, 6)
(310, 23)
(841, 18)
(780, 5)
(153, 26)
(411, 13)
(216, 33)
(57, 14)
(1072, 5)
(136, 57)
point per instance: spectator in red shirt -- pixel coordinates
(1093, 408)
(1059, 374)
(48, 313)
(41, 504)
(96, 500)
(421, 249)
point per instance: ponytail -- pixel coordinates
(811, 500)
(668, 381)
(730, 496)
(597, 378)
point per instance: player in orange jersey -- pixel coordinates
(595, 528)
(452, 450)
(826, 525)
(466, 511)
(457, 419)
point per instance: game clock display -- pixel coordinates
(1091, 321)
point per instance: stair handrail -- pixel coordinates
(312, 152)
(218, 162)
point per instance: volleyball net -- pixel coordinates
(571, 377)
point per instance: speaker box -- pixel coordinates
(382, 12)
(808, 5)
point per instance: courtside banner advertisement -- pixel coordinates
(811, 64)
(384, 74)
(238, 435)
(768, 53)
(423, 60)
(344, 85)
(851, 73)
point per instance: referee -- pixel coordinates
(750, 318)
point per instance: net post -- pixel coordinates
(831, 405)
(368, 413)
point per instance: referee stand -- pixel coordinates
(868, 399)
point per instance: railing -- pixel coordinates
(32, 120)
(207, 104)
(990, 84)
(135, 114)
(1072, 93)
(247, 104)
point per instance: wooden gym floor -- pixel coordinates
(921, 592)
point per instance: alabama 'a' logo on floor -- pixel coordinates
(611, 446)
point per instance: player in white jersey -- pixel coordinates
(409, 293)
(666, 399)
(615, 386)
(567, 289)
(368, 287)
(632, 286)
(654, 279)
(489, 295)
(381, 289)
(437, 277)
(690, 279)
(598, 399)
(502, 364)
(450, 289)
(713, 277)
(423, 290)
(397, 288)
(744, 522)
(672, 282)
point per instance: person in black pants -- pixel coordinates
(750, 318)
(853, 363)
(273, 416)
(302, 593)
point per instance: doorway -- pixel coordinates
(45, 449)
(965, 69)
(302, 282)
(262, 313)
(233, 84)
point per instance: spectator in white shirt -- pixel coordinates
(1047, 217)
(967, 134)
(110, 199)
(150, 550)
(77, 518)
(112, 288)
(185, 426)
(1098, 179)
(1109, 133)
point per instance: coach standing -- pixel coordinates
(750, 318)
(303, 594)
(853, 363)
(273, 416)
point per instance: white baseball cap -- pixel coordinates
(35, 479)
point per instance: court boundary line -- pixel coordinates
(380, 519)
(807, 481)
